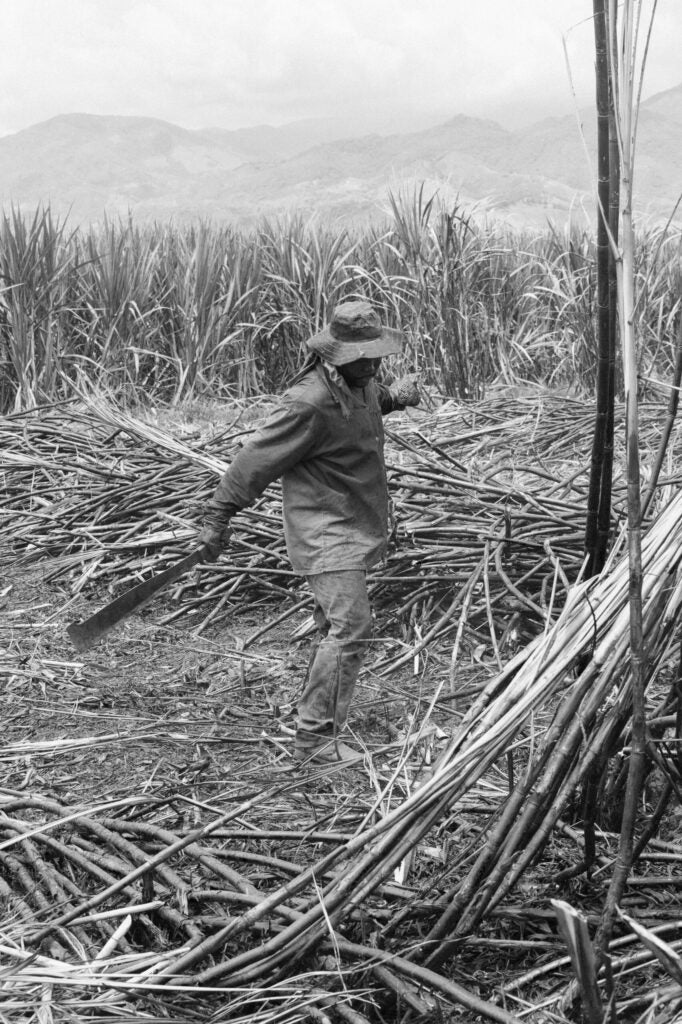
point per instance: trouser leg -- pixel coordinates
(343, 616)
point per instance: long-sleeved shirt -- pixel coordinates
(330, 456)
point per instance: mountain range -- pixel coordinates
(88, 166)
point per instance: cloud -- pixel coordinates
(239, 62)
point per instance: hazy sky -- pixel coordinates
(373, 63)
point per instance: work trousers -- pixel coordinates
(343, 617)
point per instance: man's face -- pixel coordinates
(360, 372)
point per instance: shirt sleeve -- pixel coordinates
(288, 437)
(387, 402)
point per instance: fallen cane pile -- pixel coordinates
(485, 545)
(110, 498)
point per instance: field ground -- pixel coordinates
(165, 727)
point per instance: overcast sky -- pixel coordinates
(372, 63)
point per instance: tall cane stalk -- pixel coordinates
(622, 59)
(601, 466)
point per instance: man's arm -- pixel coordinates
(285, 439)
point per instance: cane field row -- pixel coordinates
(167, 313)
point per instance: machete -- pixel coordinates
(85, 634)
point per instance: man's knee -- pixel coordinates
(342, 601)
(350, 613)
(362, 625)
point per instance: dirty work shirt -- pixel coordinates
(331, 461)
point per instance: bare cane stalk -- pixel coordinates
(622, 57)
(598, 470)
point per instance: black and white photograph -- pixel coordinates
(340, 512)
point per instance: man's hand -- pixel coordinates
(405, 390)
(214, 538)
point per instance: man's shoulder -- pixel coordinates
(310, 390)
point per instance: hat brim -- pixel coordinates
(338, 353)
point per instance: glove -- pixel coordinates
(214, 538)
(405, 391)
(215, 530)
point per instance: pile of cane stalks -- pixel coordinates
(125, 906)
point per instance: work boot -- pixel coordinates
(331, 751)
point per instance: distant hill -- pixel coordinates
(86, 166)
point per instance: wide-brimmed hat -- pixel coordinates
(354, 331)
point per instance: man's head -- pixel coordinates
(354, 334)
(360, 372)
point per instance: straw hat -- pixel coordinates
(355, 332)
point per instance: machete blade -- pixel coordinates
(85, 634)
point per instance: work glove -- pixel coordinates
(214, 538)
(215, 530)
(405, 391)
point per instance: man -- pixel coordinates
(326, 442)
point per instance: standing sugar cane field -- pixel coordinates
(162, 857)
(163, 314)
